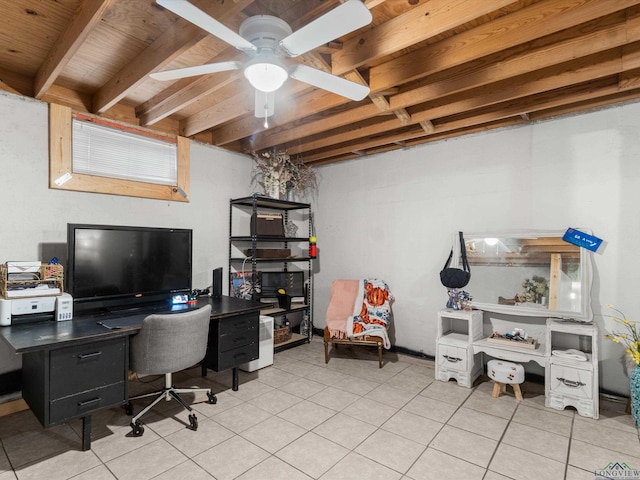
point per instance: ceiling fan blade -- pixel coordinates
(203, 20)
(332, 83)
(343, 19)
(196, 70)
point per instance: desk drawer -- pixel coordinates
(237, 356)
(240, 323)
(87, 367)
(86, 403)
(239, 338)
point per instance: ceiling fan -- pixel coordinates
(268, 41)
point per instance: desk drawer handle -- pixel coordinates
(89, 402)
(571, 383)
(452, 359)
(238, 355)
(85, 356)
(238, 339)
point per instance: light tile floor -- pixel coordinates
(348, 419)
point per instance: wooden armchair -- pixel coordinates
(341, 305)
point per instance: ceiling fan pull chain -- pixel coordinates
(266, 112)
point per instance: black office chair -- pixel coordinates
(166, 344)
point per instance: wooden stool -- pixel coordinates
(503, 374)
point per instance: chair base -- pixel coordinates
(363, 341)
(168, 392)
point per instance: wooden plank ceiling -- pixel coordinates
(436, 68)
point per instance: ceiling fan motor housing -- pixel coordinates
(265, 31)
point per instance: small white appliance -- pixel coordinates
(266, 346)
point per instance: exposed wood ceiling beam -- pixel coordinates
(421, 23)
(219, 113)
(187, 91)
(340, 137)
(516, 65)
(86, 17)
(528, 24)
(509, 111)
(7, 88)
(177, 39)
(437, 68)
(439, 15)
(334, 121)
(511, 63)
(317, 100)
(326, 157)
(21, 84)
(508, 92)
(547, 100)
(373, 3)
(582, 70)
(427, 126)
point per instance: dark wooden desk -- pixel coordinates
(72, 369)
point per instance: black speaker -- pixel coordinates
(216, 285)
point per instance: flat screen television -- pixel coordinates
(123, 266)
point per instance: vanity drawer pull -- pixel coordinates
(452, 359)
(85, 356)
(84, 403)
(571, 383)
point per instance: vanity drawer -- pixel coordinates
(85, 403)
(569, 380)
(86, 367)
(451, 357)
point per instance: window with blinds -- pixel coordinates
(109, 152)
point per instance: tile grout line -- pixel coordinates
(504, 432)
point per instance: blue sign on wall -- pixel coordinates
(582, 239)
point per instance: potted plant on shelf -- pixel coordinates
(281, 177)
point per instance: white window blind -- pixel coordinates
(113, 153)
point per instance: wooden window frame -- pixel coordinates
(60, 164)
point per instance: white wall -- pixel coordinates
(34, 218)
(391, 215)
(394, 215)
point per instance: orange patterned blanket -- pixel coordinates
(372, 311)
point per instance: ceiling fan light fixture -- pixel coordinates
(266, 76)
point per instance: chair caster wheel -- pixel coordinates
(193, 422)
(137, 429)
(128, 408)
(212, 398)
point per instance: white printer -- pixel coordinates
(32, 292)
(36, 309)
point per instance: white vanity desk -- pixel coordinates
(499, 270)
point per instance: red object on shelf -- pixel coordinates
(313, 249)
